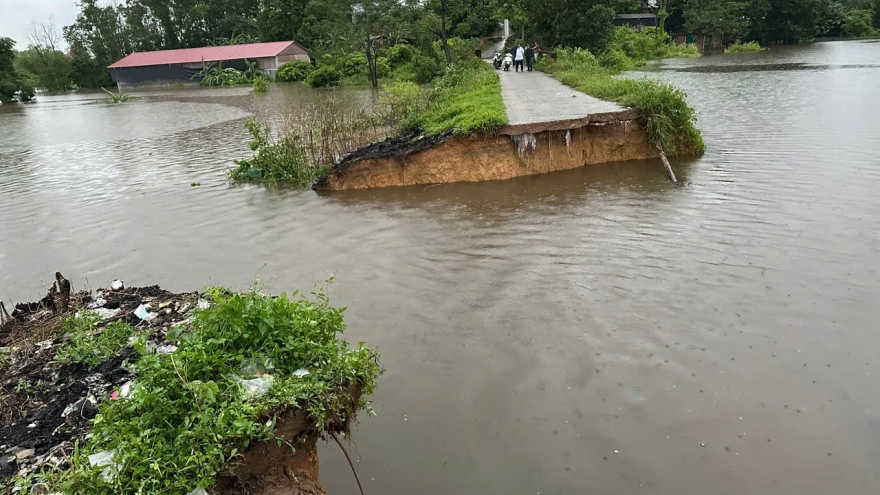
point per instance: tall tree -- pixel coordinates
(724, 20)
(12, 81)
(44, 59)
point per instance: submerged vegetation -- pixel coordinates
(277, 160)
(213, 75)
(118, 97)
(668, 120)
(630, 50)
(239, 366)
(740, 47)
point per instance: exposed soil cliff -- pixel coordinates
(441, 159)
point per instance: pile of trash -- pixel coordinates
(45, 406)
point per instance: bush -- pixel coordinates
(668, 120)
(352, 64)
(278, 161)
(857, 23)
(294, 71)
(426, 68)
(740, 47)
(323, 77)
(261, 85)
(618, 61)
(189, 417)
(399, 54)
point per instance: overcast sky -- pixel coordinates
(16, 17)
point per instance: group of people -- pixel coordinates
(517, 56)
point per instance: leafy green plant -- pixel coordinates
(5, 356)
(280, 160)
(324, 76)
(216, 75)
(294, 71)
(740, 47)
(261, 85)
(663, 109)
(88, 344)
(118, 97)
(188, 416)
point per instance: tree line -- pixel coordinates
(103, 33)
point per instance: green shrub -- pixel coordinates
(277, 161)
(352, 64)
(383, 68)
(618, 61)
(399, 54)
(261, 85)
(740, 47)
(189, 417)
(323, 77)
(89, 345)
(668, 120)
(426, 68)
(294, 71)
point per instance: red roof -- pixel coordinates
(206, 54)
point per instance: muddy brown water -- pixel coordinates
(592, 331)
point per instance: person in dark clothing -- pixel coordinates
(530, 57)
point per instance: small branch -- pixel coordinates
(668, 167)
(351, 464)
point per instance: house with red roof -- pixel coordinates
(166, 67)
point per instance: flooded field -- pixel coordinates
(596, 331)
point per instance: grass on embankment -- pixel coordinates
(668, 120)
(466, 100)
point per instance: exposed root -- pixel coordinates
(351, 464)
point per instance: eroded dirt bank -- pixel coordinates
(441, 159)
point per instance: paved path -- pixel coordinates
(536, 102)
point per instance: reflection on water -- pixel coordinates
(591, 331)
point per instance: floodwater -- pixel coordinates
(596, 331)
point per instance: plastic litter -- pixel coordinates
(117, 284)
(166, 349)
(105, 459)
(301, 373)
(106, 313)
(256, 387)
(204, 304)
(127, 389)
(198, 491)
(98, 303)
(143, 312)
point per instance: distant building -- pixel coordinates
(647, 17)
(167, 67)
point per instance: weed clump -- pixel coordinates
(281, 160)
(191, 414)
(87, 344)
(118, 97)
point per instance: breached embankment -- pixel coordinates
(515, 151)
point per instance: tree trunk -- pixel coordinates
(371, 63)
(443, 39)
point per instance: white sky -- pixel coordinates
(16, 17)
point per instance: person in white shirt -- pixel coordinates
(518, 59)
